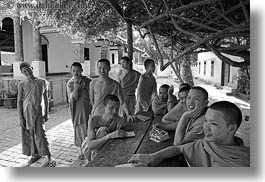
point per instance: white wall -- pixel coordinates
(59, 53)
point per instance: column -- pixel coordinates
(18, 43)
(18, 38)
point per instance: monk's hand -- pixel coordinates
(170, 90)
(131, 118)
(45, 117)
(22, 122)
(196, 112)
(140, 159)
(118, 134)
(76, 84)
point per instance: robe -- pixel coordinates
(33, 111)
(147, 89)
(102, 130)
(202, 153)
(98, 92)
(160, 107)
(129, 81)
(80, 109)
(174, 115)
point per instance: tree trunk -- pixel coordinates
(186, 73)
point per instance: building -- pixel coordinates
(211, 69)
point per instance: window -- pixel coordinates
(204, 70)
(212, 68)
(113, 58)
(86, 54)
(199, 67)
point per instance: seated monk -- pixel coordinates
(219, 148)
(170, 120)
(165, 100)
(104, 127)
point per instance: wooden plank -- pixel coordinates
(148, 146)
(118, 151)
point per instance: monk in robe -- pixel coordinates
(102, 128)
(102, 86)
(33, 113)
(147, 87)
(219, 148)
(170, 120)
(80, 107)
(128, 79)
(165, 100)
(190, 126)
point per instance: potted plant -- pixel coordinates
(10, 96)
(1, 97)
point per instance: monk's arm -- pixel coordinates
(168, 127)
(91, 92)
(140, 93)
(162, 154)
(180, 130)
(20, 106)
(46, 104)
(92, 141)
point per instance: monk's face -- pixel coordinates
(151, 68)
(216, 128)
(125, 64)
(182, 97)
(163, 94)
(27, 71)
(195, 99)
(103, 69)
(76, 71)
(112, 109)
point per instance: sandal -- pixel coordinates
(33, 159)
(49, 163)
(81, 157)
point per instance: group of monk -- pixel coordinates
(101, 107)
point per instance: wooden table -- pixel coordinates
(148, 146)
(119, 151)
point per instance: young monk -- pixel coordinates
(171, 119)
(102, 86)
(165, 100)
(80, 107)
(219, 148)
(128, 79)
(147, 87)
(190, 124)
(33, 113)
(102, 128)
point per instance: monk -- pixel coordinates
(128, 79)
(33, 113)
(80, 107)
(170, 120)
(190, 125)
(102, 86)
(147, 87)
(165, 100)
(102, 128)
(219, 148)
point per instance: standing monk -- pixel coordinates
(128, 78)
(33, 113)
(80, 107)
(104, 85)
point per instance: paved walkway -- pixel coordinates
(60, 132)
